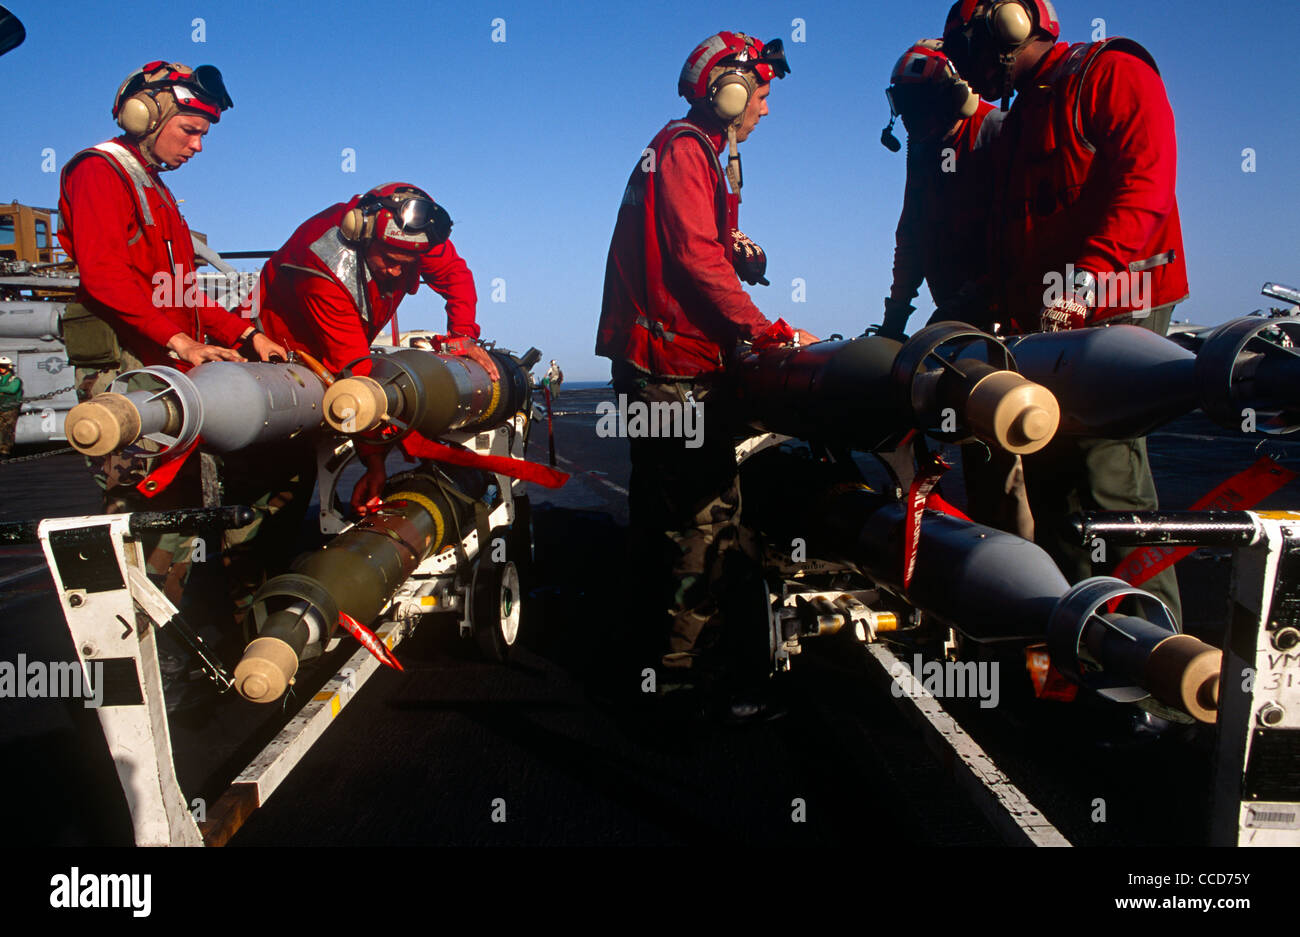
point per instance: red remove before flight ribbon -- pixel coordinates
(917, 497)
(1240, 492)
(369, 640)
(419, 447)
(161, 477)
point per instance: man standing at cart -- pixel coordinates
(121, 225)
(1085, 229)
(673, 311)
(338, 280)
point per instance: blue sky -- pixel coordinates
(528, 142)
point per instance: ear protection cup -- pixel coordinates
(1011, 23)
(353, 227)
(139, 114)
(730, 92)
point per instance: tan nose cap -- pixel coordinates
(1035, 423)
(1183, 671)
(106, 424)
(355, 404)
(267, 668)
(1009, 411)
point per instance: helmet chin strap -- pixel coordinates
(1008, 62)
(735, 175)
(146, 143)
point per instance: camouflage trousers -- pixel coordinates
(168, 556)
(684, 511)
(276, 481)
(8, 427)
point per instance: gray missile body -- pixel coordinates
(230, 404)
(992, 586)
(867, 392)
(1122, 381)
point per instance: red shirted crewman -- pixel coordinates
(338, 280)
(672, 311)
(137, 302)
(120, 223)
(945, 199)
(1085, 228)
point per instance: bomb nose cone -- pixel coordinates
(355, 404)
(1007, 410)
(85, 433)
(266, 670)
(103, 425)
(1183, 671)
(1034, 424)
(342, 404)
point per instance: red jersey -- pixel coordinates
(310, 299)
(672, 298)
(1085, 171)
(119, 222)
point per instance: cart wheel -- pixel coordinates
(495, 605)
(521, 539)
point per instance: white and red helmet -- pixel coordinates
(158, 91)
(924, 83)
(399, 215)
(1010, 22)
(923, 64)
(767, 60)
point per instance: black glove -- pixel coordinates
(896, 313)
(748, 259)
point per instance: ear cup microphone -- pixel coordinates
(139, 114)
(353, 226)
(1010, 23)
(730, 93)
(358, 224)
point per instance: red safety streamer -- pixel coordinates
(917, 496)
(419, 447)
(157, 481)
(1240, 492)
(369, 640)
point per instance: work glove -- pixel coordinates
(748, 259)
(776, 334)
(466, 347)
(1071, 311)
(896, 314)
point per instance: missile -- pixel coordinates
(994, 586)
(950, 379)
(415, 390)
(356, 574)
(230, 404)
(1122, 381)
